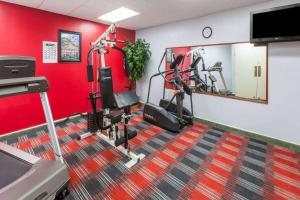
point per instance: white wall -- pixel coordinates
(280, 118)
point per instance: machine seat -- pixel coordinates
(115, 116)
(131, 134)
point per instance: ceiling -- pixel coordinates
(152, 12)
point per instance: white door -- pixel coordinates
(245, 58)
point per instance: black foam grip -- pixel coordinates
(125, 60)
(90, 73)
(177, 61)
(195, 63)
(186, 88)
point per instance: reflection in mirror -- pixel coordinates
(234, 70)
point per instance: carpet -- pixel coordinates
(200, 162)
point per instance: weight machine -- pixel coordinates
(111, 115)
(99, 46)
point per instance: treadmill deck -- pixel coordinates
(11, 169)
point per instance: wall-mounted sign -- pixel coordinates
(49, 52)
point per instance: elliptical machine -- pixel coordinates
(170, 105)
(116, 107)
(169, 116)
(200, 84)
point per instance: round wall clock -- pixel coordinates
(207, 32)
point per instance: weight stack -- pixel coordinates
(91, 123)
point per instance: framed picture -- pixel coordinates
(69, 46)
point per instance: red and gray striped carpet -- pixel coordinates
(198, 163)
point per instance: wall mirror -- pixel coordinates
(235, 70)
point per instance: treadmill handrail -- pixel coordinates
(30, 85)
(17, 86)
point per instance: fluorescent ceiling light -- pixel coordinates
(118, 15)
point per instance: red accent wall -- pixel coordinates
(22, 32)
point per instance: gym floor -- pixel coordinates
(201, 162)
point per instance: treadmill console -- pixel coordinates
(16, 67)
(17, 76)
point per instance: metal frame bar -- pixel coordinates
(134, 158)
(51, 126)
(192, 51)
(214, 84)
(105, 36)
(85, 135)
(223, 80)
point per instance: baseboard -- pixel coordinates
(251, 134)
(21, 131)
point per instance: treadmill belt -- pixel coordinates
(11, 169)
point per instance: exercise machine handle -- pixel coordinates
(178, 87)
(90, 70)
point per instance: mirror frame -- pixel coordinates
(234, 97)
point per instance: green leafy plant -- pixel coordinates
(137, 56)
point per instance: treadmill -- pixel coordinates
(22, 175)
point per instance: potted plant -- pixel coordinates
(137, 55)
